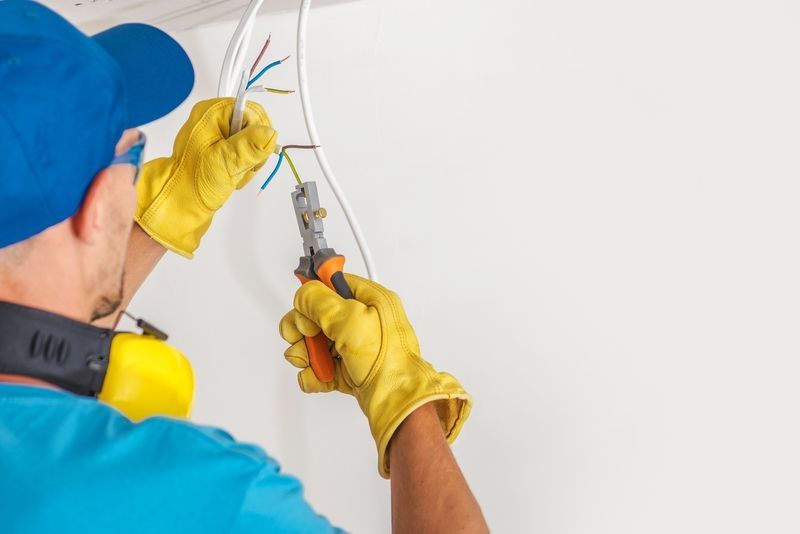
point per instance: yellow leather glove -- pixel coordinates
(179, 195)
(377, 359)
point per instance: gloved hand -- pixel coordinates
(179, 195)
(377, 359)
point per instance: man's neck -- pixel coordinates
(47, 278)
(57, 303)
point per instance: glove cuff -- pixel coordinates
(453, 409)
(160, 240)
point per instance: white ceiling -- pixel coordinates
(173, 15)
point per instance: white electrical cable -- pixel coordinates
(237, 120)
(237, 50)
(233, 65)
(308, 113)
(241, 104)
(241, 56)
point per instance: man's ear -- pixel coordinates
(88, 223)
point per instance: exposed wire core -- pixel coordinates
(289, 159)
(237, 121)
(262, 89)
(260, 55)
(233, 63)
(282, 154)
(291, 165)
(301, 147)
(274, 172)
(264, 71)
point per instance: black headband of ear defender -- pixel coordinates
(69, 354)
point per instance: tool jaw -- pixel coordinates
(309, 214)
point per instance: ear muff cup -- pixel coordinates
(147, 377)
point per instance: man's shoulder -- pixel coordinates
(86, 424)
(85, 456)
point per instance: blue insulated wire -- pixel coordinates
(263, 71)
(274, 171)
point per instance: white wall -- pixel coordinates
(590, 209)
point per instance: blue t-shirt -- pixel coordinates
(71, 464)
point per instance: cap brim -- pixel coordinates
(157, 72)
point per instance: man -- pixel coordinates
(71, 255)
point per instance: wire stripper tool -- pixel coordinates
(319, 263)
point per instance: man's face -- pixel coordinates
(120, 198)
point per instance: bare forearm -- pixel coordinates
(429, 492)
(143, 255)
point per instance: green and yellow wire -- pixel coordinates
(284, 155)
(291, 165)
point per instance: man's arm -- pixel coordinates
(179, 195)
(143, 256)
(429, 492)
(413, 410)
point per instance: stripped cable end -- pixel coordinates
(274, 171)
(291, 164)
(301, 147)
(264, 71)
(279, 91)
(260, 55)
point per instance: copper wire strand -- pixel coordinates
(260, 56)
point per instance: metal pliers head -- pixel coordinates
(309, 214)
(319, 262)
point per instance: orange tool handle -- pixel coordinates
(319, 353)
(319, 356)
(331, 273)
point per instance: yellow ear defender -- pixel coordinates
(147, 377)
(139, 374)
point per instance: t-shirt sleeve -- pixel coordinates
(274, 502)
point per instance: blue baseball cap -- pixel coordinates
(65, 99)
